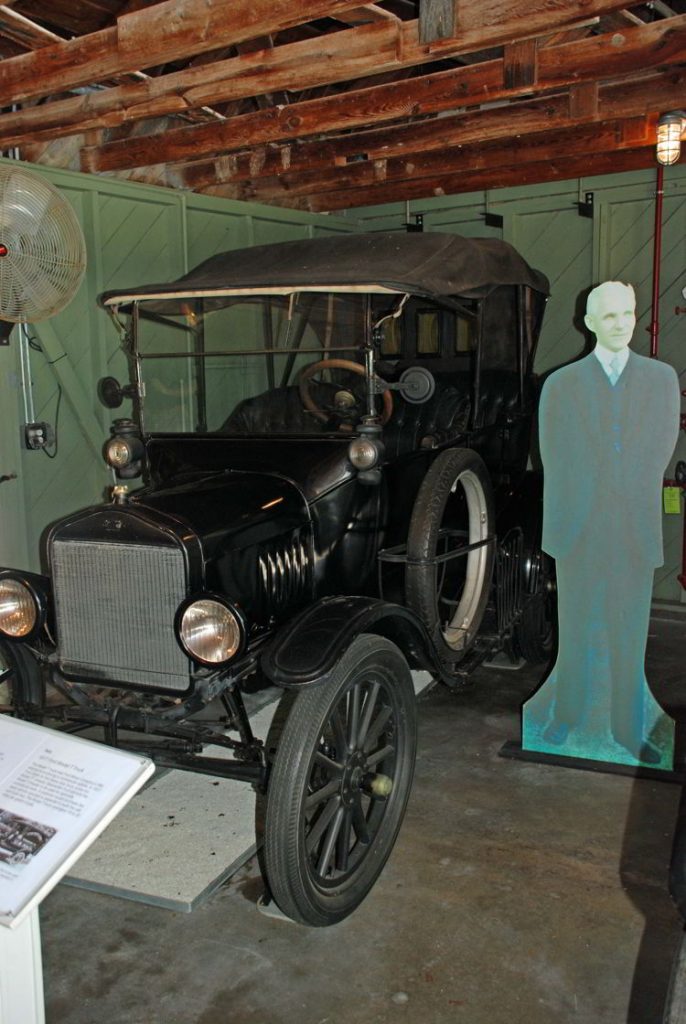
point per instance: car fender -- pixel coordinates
(306, 651)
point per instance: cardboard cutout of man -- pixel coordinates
(608, 425)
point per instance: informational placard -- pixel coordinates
(57, 794)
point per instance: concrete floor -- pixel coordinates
(517, 894)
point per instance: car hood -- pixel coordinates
(314, 465)
(231, 509)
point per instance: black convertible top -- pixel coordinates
(418, 263)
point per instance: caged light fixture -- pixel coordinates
(669, 129)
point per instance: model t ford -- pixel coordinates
(322, 484)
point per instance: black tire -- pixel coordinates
(22, 681)
(534, 633)
(454, 505)
(327, 834)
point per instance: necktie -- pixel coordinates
(614, 370)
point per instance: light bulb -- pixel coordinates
(669, 129)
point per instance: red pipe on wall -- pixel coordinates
(654, 328)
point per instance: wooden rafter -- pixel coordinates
(604, 56)
(25, 32)
(327, 104)
(341, 56)
(30, 35)
(445, 154)
(180, 28)
(365, 14)
(534, 147)
(559, 167)
(300, 65)
(168, 31)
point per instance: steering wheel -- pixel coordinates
(309, 371)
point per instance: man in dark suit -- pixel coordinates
(608, 425)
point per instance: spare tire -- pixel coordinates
(453, 509)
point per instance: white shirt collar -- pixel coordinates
(605, 357)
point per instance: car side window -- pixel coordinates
(392, 338)
(465, 335)
(428, 332)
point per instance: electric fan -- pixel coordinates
(42, 249)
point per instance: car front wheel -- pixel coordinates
(340, 784)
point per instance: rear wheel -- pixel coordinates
(534, 633)
(340, 783)
(453, 510)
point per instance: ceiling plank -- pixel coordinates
(615, 136)
(437, 19)
(156, 35)
(180, 28)
(569, 35)
(604, 56)
(522, 19)
(370, 49)
(520, 64)
(559, 168)
(620, 19)
(617, 101)
(365, 14)
(583, 100)
(30, 35)
(27, 33)
(293, 66)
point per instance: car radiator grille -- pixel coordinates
(115, 607)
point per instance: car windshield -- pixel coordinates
(234, 364)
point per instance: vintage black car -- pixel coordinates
(325, 457)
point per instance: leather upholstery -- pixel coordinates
(281, 411)
(498, 397)
(443, 417)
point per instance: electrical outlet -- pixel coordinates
(38, 435)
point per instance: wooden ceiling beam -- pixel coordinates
(570, 35)
(559, 168)
(587, 60)
(620, 19)
(365, 14)
(609, 136)
(293, 66)
(520, 64)
(523, 19)
(437, 19)
(30, 35)
(175, 29)
(639, 99)
(340, 56)
(25, 32)
(169, 31)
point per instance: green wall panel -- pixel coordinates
(210, 232)
(558, 242)
(13, 540)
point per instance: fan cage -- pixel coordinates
(42, 248)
